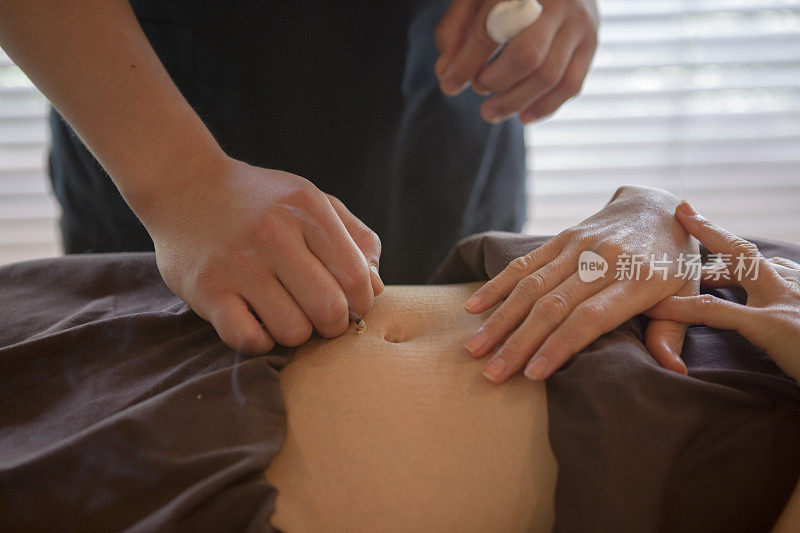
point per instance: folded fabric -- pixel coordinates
(121, 409)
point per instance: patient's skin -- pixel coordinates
(396, 430)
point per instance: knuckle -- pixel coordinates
(366, 237)
(609, 249)
(704, 303)
(270, 227)
(572, 85)
(295, 335)
(532, 284)
(332, 317)
(499, 320)
(249, 340)
(527, 59)
(583, 18)
(493, 290)
(306, 197)
(592, 39)
(552, 307)
(520, 265)
(568, 234)
(337, 205)
(580, 17)
(373, 237)
(593, 316)
(515, 348)
(708, 225)
(593, 312)
(206, 279)
(355, 276)
(745, 247)
(548, 75)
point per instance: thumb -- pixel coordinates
(664, 334)
(702, 309)
(664, 341)
(367, 241)
(452, 30)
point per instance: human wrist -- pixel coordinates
(179, 175)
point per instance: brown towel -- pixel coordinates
(121, 409)
(643, 449)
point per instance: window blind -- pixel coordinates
(28, 211)
(699, 97)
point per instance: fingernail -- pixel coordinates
(665, 346)
(681, 364)
(687, 209)
(376, 278)
(448, 70)
(473, 302)
(494, 370)
(451, 87)
(477, 344)
(537, 368)
(480, 89)
(444, 66)
(492, 115)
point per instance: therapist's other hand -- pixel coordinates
(248, 244)
(550, 313)
(771, 318)
(537, 71)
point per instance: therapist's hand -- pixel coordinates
(550, 313)
(246, 246)
(771, 318)
(538, 70)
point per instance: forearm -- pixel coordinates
(93, 62)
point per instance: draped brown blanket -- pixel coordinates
(121, 409)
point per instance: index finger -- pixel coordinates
(589, 321)
(721, 241)
(473, 54)
(452, 29)
(328, 239)
(367, 241)
(500, 286)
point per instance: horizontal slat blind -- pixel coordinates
(700, 97)
(27, 209)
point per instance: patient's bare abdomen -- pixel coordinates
(396, 430)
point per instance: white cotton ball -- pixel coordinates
(507, 19)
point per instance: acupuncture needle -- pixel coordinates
(359, 322)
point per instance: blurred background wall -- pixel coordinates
(700, 97)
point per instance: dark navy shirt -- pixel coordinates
(342, 93)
